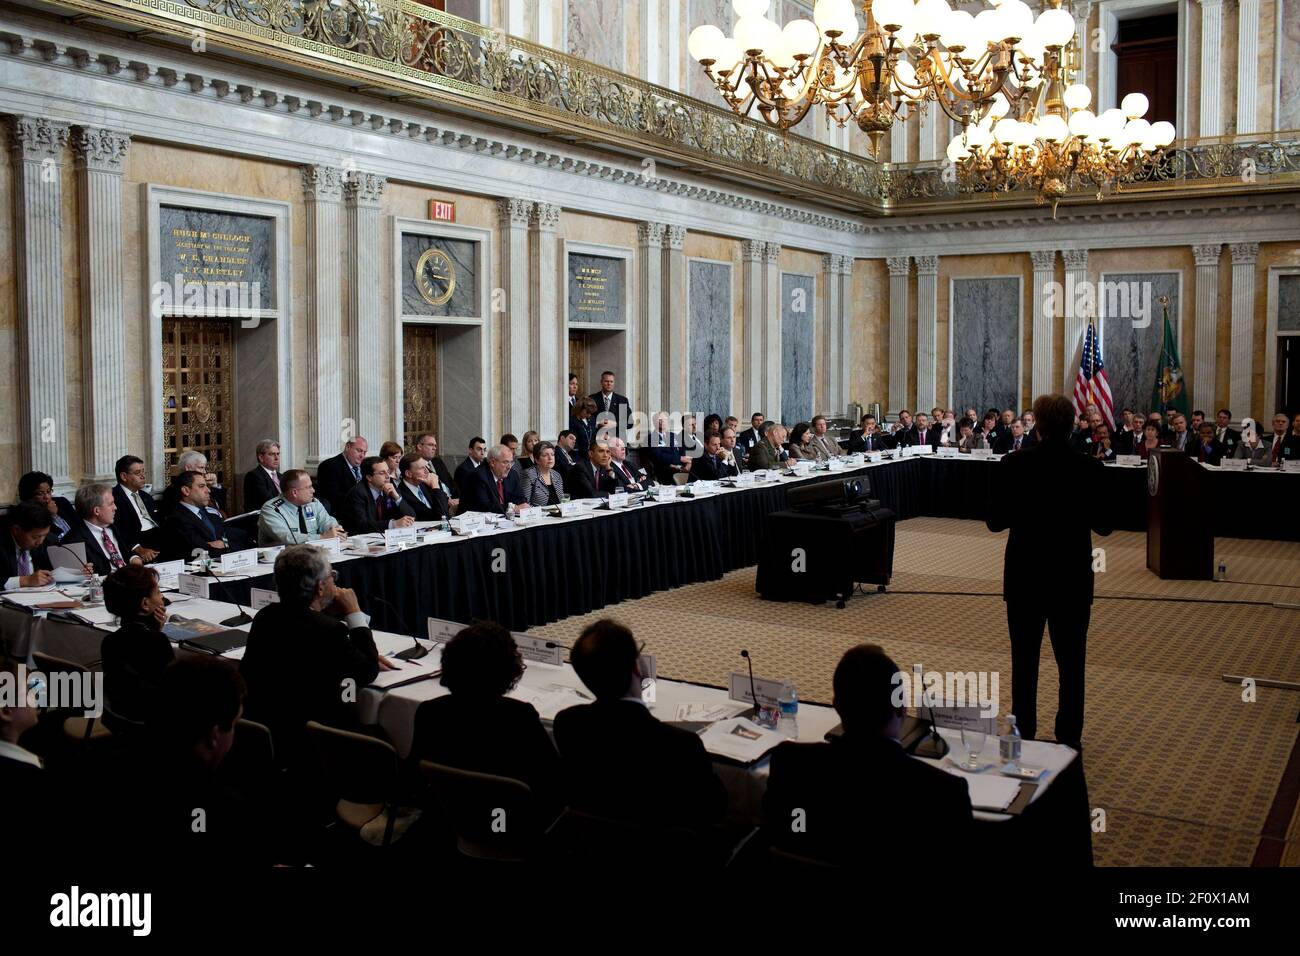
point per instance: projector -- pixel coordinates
(824, 494)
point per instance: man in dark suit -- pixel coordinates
(427, 447)
(375, 504)
(869, 437)
(752, 435)
(619, 760)
(1226, 435)
(421, 490)
(566, 455)
(1182, 439)
(96, 512)
(138, 520)
(263, 482)
(610, 404)
(336, 476)
(1042, 495)
(1014, 440)
(495, 488)
(1206, 448)
(583, 425)
(710, 466)
(465, 471)
(192, 526)
(302, 648)
(630, 477)
(862, 783)
(24, 560)
(595, 479)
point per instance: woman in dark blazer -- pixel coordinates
(137, 653)
(545, 485)
(477, 727)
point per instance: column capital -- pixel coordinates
(899, 265)
(772, 252)
(1044, 260)
(364, 189)
(545, 217)
(35, 138)
(751, 250)
(1076, 258)
(1208, 255)
(99, 149)
(650, 234)
(1244, 253)
(927, 265)
(322, 183)
(836, 264)
(1210, 4)
(674, 237)
(514, 212)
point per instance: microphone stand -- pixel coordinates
(415, 653)
(753, 691)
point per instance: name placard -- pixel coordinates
(700, 488)
(957, 718)
(745, 479)
(875, 457)
(538, 649)
(1128, 460)
(471, 519)
(332, 545)
(238, 561)
(570, 508)
(618, 500)
(433, 537)
(194, 585)
(259, 598)
(167, 572)
(401, 537)
(912, 451)
(1291, 467)
(440, 631)
(986, 453)
(947, 452)
(835, 464)
(1233, 464)
(769, 691)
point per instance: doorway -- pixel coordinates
(198, 393)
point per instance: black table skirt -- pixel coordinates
(557, 569)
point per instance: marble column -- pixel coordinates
(100, 156)
(1207, 314)
(675, 359)
(1248, 66)
(1244, 257)
(362, 193)
(927, 316)
(1082, 12)
(845, 345)
(772, 329)
(1211, 62)
(650, 261)
(899, 267)
(515, 378)
(1040, 382)
(832, 320)
(43, 435)
(751, 255)
(322, 199)
(930, 125)
(550, 352)
(897, 144)
(1076, 273)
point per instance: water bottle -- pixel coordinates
(1221, 573)
(788, 705)
(1009, 743)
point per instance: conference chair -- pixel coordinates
(494, 818)
(362, 774)
(76, 726)
(578, 836)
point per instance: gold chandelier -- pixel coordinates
(1000, 74)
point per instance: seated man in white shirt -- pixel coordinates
(104, 552)
(630, 478)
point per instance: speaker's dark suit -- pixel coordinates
(1042, 495)
(620, 761)
(709, 468)
(482, 495)
(581, 482)
(435, 510)
(1216, 453)
(854, 791)
(258, 489)
(876, 441)
(464, 479)
(1006, 443)
(444, 477)
(584, 429)
(187, 533)
(360, 514)
(334, 479)
(96, 557)
(295, 665)
(9, 553)
(126, 523)
(619, 407)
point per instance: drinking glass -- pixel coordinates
(973, 740)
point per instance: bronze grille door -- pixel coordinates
(198, 393)
(578, 362)
(420, 375)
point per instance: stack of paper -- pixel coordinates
(739, 739)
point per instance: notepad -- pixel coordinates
(988, 791)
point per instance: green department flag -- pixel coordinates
(1170, 390)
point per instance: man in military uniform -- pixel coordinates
(296, 516)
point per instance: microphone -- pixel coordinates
(931, 746)
(758, 708)
(411, 654)
(80, 562)
(240, 618)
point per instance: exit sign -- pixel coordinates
(442, 211)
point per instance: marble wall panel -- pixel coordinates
(985, 317)
(1132, 337)
(596, 31)
(1288, 303)
(708, 304)
(213, 248)
(597, 289)
(699, 12)
(1288, 55)
(798, 357)
(464, 255)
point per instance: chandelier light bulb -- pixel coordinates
(1053, 128)
(727, 53)
(1138, 131)
(1082, 122)
(1078, 97)
(703, 42)
(987, 26)
(750, 8)
(957, 150)
(905, 74)
(757, 33)
(893, 13)
(1017, 19)
(958, 29)
(1162, 133)
(1055, 27)
(931, 17)
(830, 14)
(1134, 105)
(999, 107)
(801, 37)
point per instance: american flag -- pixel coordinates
(1092, 387)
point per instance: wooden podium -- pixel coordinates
(1180, 542)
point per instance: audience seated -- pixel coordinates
(869, 437)
(138, 520)
(799, 445)
(25, 787)
(97, 509)
(375, 504)
(296, 517)
(496, 488)
(302, 649)
(465, 471)
(545, 483)
(565, 454)
(967, 438)
(711, 466)
(1224, 433)
(39, 487)
(1014, 439)
(426, 446)
(336, 476)
(770, 453)
(823, 445)
(422, 490)
(477, 727)
(596, 479)
(24, 558)
(751, 436)
(1206, 448)
(137, 653)
(191, 460)
(263, 482)
(191, 526)
(631, 477)
(619, 760)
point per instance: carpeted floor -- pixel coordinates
(1185, 770)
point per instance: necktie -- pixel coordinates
(501, 492)
(419, 493)
(24, 563)
(302, 521)
(1017, 448)
(1277, 448)
(110, 549)
(356, 472)
(207, 526)
(145, 519)
(379, 507)
(275, 480)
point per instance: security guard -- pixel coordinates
(295, 517)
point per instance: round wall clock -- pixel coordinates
(435, 277)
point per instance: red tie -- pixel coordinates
(1277, 448)
(501, 491)
(275, 480)
(379, 507)
(114, 558)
